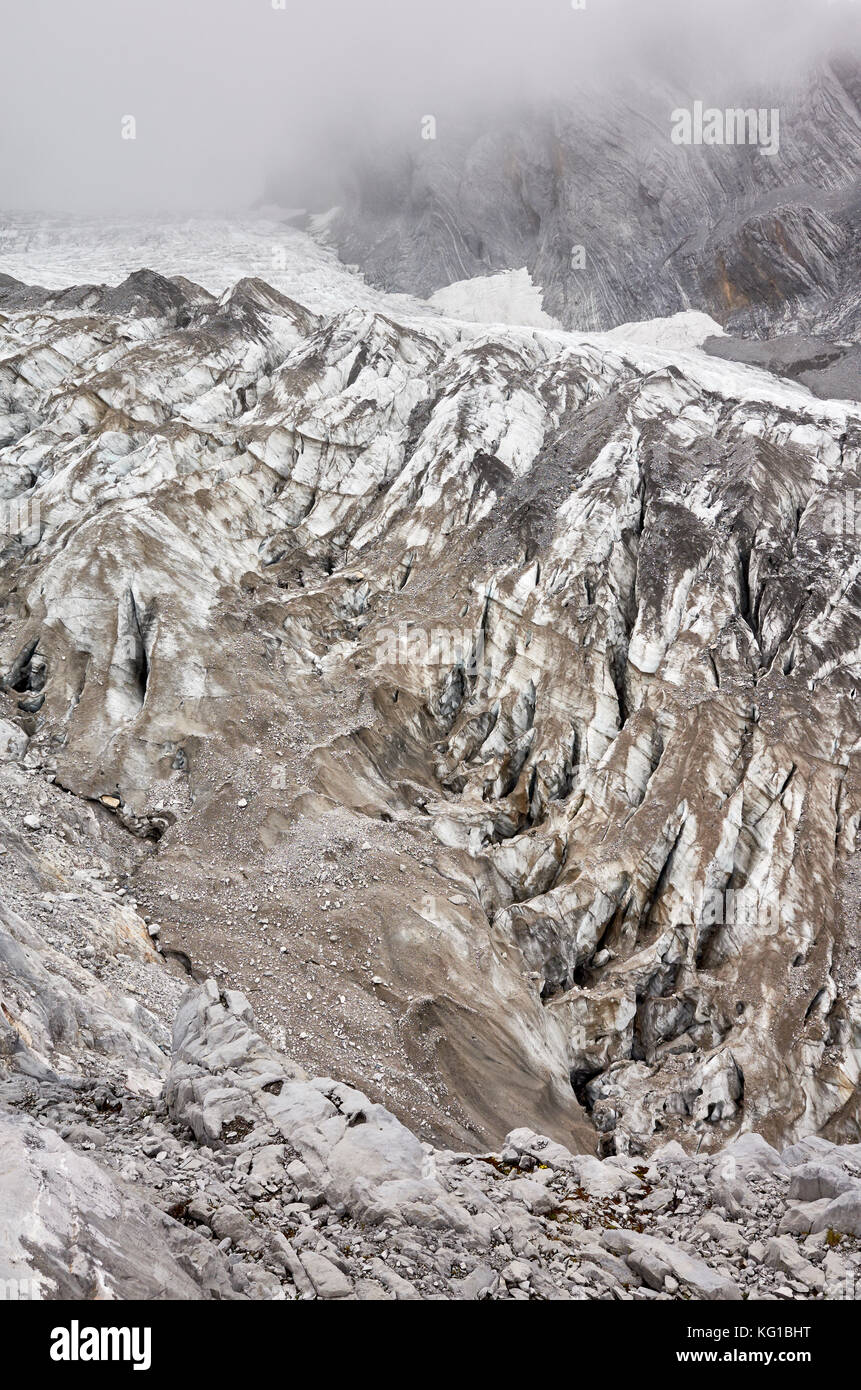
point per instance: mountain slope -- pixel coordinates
(762, 243)
(482, 700)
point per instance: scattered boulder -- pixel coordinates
(13, 742)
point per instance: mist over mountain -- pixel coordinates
(615, 221)
(225, 93)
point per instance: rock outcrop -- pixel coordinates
(250, 1180)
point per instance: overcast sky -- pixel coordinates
(223, 90)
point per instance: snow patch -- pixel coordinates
(507, 298)
(688, 329)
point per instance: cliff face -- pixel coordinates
(761, 241)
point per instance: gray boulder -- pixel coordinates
(814, 1180)
(13, 742)
(70, 1231)
(656, 1260)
